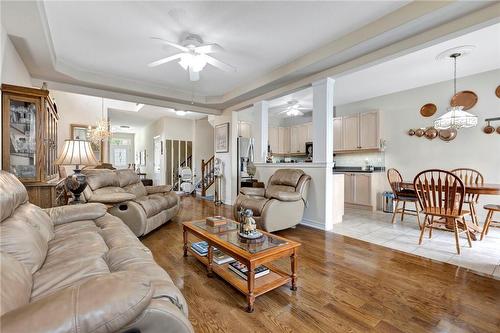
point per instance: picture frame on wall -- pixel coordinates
(221, 137)
(81, 132)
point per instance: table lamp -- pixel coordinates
(76, 152)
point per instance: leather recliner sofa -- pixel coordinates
(280, 205)
(78, 269)
(142, 208)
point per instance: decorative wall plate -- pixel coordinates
(428, 110)
(498, 129)
(465, 98)
(431, 133)
(488, 129)
(497, 91)
(448, 134)
(419, 132)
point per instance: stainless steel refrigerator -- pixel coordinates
(245, 154)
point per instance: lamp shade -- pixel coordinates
(455, 118)
(77, 152)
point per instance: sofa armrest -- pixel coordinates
(158, 189)
(254, 191)
(286, 196)
(102, 304)
(72, 213)
(111, 198)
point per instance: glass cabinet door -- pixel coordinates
(22, 132)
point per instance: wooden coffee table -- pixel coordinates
(251, 253)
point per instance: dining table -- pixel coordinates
(482, 189)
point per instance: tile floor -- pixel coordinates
(376, 227)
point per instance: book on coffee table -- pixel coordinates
(220, 257)
(201, 248)
(242, 270)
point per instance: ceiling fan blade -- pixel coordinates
(219, 64)
(208, 48)
(165, 60)
(180, 47)
(193, 76)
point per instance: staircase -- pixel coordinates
(207, 175)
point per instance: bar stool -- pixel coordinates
(489, 219)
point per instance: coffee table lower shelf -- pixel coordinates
(276, 278)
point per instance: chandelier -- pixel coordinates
(455, 117)
(101, 131)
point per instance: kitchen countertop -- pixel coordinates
(340, 169)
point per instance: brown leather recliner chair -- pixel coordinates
(142, 208)
(280, 205)
(78, 269)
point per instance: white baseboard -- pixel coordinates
(313, 224)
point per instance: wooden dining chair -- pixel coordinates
(469, 177)
(489, 219)
(402, 195)
(441, 195)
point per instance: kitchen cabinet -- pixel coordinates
(284, 140)
(273, 139)
(359, 131)
(360, 189)
(337, 134)
(350, 132)
(290, 140)
(244, 129)
(368, 130)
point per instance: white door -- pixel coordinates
(157, 161)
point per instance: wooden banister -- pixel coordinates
(207, 174)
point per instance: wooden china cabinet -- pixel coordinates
(29, 141)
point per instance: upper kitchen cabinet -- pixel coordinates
(356, 132)
(368, 130)
(290, 140)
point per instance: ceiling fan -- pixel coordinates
(194, 56)
(293, 109)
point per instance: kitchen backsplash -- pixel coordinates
(376, 159)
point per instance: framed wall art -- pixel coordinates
(222, 138)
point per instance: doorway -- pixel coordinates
(157, 151)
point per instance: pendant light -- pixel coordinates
(101, 132)
(455, 117)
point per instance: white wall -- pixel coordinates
(472, 148)
(13, 70)
(229, 159)
(77, 109)
(203, 144)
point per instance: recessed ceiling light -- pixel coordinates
(181, 112)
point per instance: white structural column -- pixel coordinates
(260, 130)
(323, 120)
(323, 149)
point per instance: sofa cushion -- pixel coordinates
(288, 177)
(71, 213)
(99, 305)
(37, 218)
(136, 189)
(16, 283)
(99, 178)
(73, 228)
(153, 204)
(51, 279)
(12, 194)
(127, 177)
(23, 241)
(273, 190)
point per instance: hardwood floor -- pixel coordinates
(344, 285)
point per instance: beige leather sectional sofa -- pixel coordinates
(280, 205)
(142, 208)
(78, 269)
